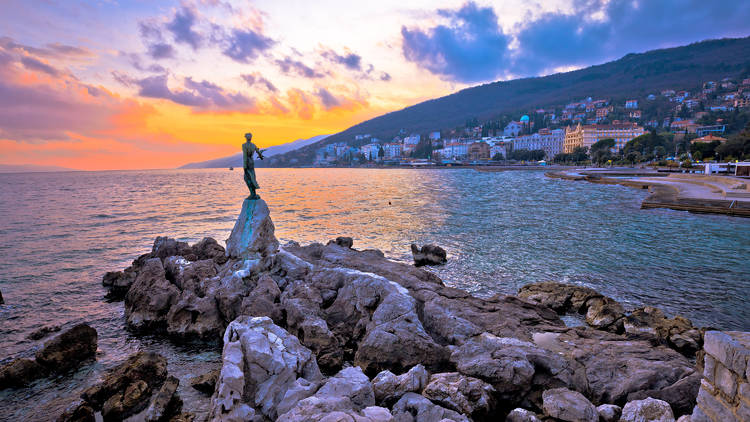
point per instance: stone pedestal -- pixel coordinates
(252, 236)
(724, 395)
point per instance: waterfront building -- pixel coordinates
(435, 136)
(370, 151)
(513, 128)
(587, 135)
(631, 104)
(498, 148)
(478, 151)
(454, 151)
(392, 150)
(549, 141)
(412, 139)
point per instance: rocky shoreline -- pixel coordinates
(328, 332)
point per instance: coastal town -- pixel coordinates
(693, 125)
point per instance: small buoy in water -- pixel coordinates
(389, 202)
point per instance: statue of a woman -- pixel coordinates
(248, 149)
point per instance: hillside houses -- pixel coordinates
(553, 129)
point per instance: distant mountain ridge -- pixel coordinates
(236, 159)
(676, 68)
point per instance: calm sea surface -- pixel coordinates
(61, 231)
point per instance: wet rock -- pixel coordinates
(205, 383)
(677, 332)
(118, 283)
(344, 242)
(681, 395)
(43, 332)
(567, 405)
(253, 234)
(428, 255)
(559, 296)
(77, 412)
(69, 349)
(261, 361)
(128, 402)
(389, 387)
(142, 366)
(467, 395)
(165, 402)
(150, 297)
(413, 407)
(20, 373)
(605, 313)
(609, 413)
(522, 415)
(2, 301)
(647, 410)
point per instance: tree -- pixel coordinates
(600, 150)
(381, 152)
(647, 143)
(697, 155)
(497, 157)
(737, 146)
(660, 151)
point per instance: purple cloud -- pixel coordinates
(32, 63)
(181, 28)
(472, 47)
(203, 95)
(256, 78)
(289, 65)
(245, 45)
(327, 99)
(159, 51)
(350, 60)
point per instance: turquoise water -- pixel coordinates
(62, 231)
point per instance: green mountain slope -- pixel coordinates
(679, 68)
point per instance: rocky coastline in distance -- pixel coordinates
(328, 332)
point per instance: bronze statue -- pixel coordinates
(248, 149)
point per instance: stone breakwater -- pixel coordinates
(328, 332)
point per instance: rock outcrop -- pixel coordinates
(328, 331)
(252, 236)
(63, 353)
(607, 314)
(261, 363)
(139, 387)
(428, 255)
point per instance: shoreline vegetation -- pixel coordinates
(329, 331)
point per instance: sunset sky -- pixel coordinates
(142, 84)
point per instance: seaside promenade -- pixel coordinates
(679, 191)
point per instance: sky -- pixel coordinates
(111, 84)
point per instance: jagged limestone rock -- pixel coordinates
(252, 236)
